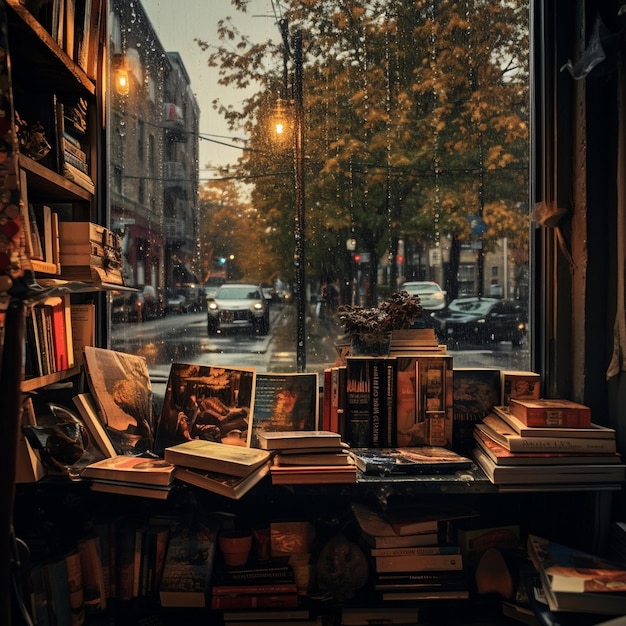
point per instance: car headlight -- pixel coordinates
(258, 306)
(212, 306)
(482, 320)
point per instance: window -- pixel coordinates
(412, 165)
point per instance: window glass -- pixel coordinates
(403, 158)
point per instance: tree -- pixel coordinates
(416, 125)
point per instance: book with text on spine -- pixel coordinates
(595, 431)
(551, 412)
(503, 434)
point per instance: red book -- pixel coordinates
(259, 601)
(548, 412)
(254, 589)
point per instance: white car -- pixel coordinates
(432, 298)
(238, 305)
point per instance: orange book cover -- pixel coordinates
(551, 412)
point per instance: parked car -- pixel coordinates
(136, 306)
(236, 306)
(176, 303)
(432, 297)
(480, 320)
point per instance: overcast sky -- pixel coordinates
(178, 23)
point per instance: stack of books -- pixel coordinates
(409, 562)
(224, 469)
(546, 442)
(256, 585)
(131, 475)
(308, 457)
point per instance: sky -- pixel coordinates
(178, 23)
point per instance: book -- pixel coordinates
(254, 601)
(264, 615)
(122, 392)
(314, 458)
(126, 488)
(502, 456)
(419, 562)
(189, 565)
(150, 471)
(406, 581)
(58, 591)
(594, 430)
(216, 457)
(89, 415)
(83, 322)
(549, 474)
(252, 589)
(94, 594)
(378, 525)
(476, 391)
(410, 460)
(312, 474)
(75, 587)
(519, 384)
(358, 402)
(274, 571)
(551, 412)
(285, 401)
(209, 403)
(355, 616)
(223, 484)
(400, 541)
(499, 431)
(574, 580)
(435, 594)
(292, 439)
(283, 621)
(416, 550)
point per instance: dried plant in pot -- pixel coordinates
(370, 329)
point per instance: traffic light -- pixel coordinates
(356, 257)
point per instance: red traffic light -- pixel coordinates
(357, 257)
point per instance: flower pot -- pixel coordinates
(235, 546)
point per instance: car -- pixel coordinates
(176, 303)
(480, 320)
(238, 306)
(432, 297)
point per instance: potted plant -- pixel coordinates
(370, 329)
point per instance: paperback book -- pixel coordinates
(551, 412)
(577, 581)
(223, 484)
(138, 490)
(295, 439)
(130, 468)
(215, 457)
(502, 433)
(410, 460)
(313, 458)
(312, 474)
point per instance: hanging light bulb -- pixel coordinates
(121, 76)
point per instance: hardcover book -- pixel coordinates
(215, 457)
(377, 525)
(285, 402)
(208, 403)
(189, 565)
(549, 474)
(501, 433)
(577, 581)
(312, 474)
(126, 488)
(312, 458)
(594, 430)
(400, 541)
(255, 601)
(223, 484)
(131, 468)
(520, 385)
(419, 563)
(292, 439)
(121, 388)
(502, 456)
(551, 412)
(410, 460)
(357, 413)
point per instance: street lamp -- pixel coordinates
(295, 50)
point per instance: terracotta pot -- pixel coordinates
(235, 546)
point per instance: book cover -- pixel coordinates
(503, 456)
(501, 433)
(216, 457)
(91, 419)
(519, 385)
(410, 460)
(131, 468)
(121, 388)
(189, 565)
(577, 581)
(434, 407)
(476, 392)
(358, 402)
(549, 474)
(94, 594)
(551, 412)
(285, 402)
(223, 484)
(594, 430)
(209, 403)
(292, 439)
(374, 523)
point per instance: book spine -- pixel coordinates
(264, 601)
(414, 551)
(376, 402)
(561, 417)
(229, 590)
(433, 562)
(390, 425)
(560, 444)
(358, 387)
